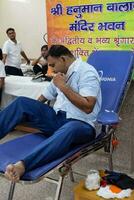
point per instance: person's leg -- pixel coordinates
(0, 95)
(45, 69)
(2, 81)
(19, 72)
(39, 116)
(37, 69)
(70, 134)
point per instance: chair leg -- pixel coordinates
(11, 192)
(110, 161)
(59, 188)
(71, 174)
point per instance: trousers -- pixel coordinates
(62, 134)
(10, 70)
(0, 95)
(37, 69)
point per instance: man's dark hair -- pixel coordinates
(1, 55)
(9, 29)
(59, 50)
(44, 46)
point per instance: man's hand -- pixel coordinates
(42, 99)
(4, 58)
(59, 80)
(25, 57)
(86, 104)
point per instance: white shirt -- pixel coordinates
(2, 70)
(13, 52)
(83, 79)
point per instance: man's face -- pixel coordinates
(44, 52)
(12, 35)
(57, 64)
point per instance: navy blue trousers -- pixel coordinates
(0, 94)
(10, 70)
(61, 134)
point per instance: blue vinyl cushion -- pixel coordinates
(108, 118)
(16, 149)
(114, 68)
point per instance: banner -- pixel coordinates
(90, 25)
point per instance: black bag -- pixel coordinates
(121, 180)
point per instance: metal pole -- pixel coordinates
(59, 188)
(71, 175)
(11, 192)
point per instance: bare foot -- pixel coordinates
(15, 171)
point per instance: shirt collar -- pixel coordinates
(73, 67)
(13, 42)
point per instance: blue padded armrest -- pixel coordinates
(108, 118)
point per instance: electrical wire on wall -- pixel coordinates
(45, 38)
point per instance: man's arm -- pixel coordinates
(2, 82)
(86, 104)
(25, 57)
(36, 60)
(4, 58)
(5, 51)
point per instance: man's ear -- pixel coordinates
(63, 58)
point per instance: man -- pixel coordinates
(76, 88)
(2, 74)
(12, 52)
(40, 64)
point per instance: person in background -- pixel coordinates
(40, 64)
(12, 52)
(76, 90)
(2, 74)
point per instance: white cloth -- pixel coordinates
(2, 69)
(13, 52)
(24, 86)
(25, 67)
(83, 79)
(106, 193)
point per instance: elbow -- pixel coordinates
(88, 110)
